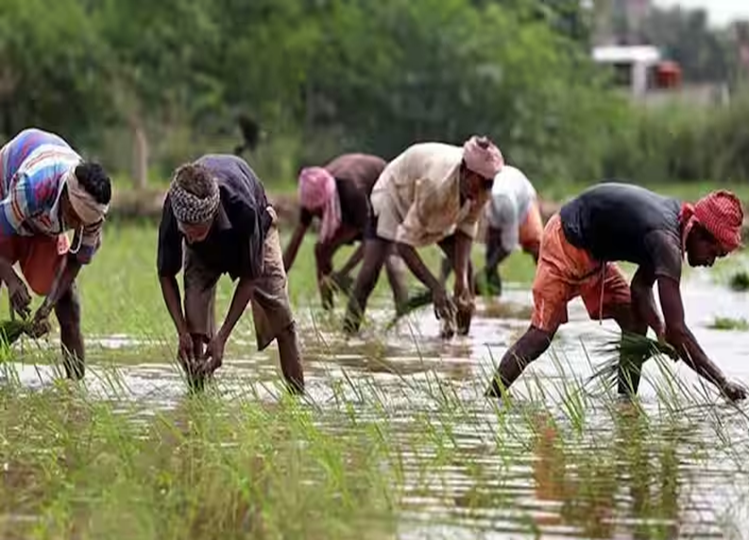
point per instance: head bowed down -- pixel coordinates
(87, 206)
(482, 156)
(318, 191)
(720, 213)
(194, 195)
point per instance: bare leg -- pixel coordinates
(68, 313)
(375, 252)
(291, 363)
(525, 350)
(396, 273)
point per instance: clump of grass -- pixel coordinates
(739, 281)
(729, 323)
(209, 469)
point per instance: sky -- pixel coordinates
(720, 11)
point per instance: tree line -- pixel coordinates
(308, 79)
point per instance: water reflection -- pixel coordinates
(467, 468)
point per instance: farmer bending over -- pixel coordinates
(338, 194)
(47, 190)
(431, 193)
(513, 217)
(618, 222)
(218, 207)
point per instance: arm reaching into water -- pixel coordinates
(422, 273)
(20, 299)
(214, 354)
(643, 300)
(680, 337)
(15, 208)
(66, 275)
(170, 292)
(351, 263)
(293, 248)
(324, 252)
(463, 244)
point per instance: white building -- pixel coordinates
(633, 64)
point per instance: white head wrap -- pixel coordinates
(85, 206)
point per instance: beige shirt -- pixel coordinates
(422, 188)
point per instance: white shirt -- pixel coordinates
(511, 198)
(423, 185)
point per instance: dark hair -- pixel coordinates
(196, 179)
(95, 181)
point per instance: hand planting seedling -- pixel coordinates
(628, 353)
(12, 330)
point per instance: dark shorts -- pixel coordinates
(271, 311)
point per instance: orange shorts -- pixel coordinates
(532, 228)
(38, 256)
(565, 272)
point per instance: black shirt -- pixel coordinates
(356, 175)
(623, 222)
(235, 243)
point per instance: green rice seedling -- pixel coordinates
(729, 323)
(374, 448)
(11, 330)
(628, 350)
(414, 302)
(739, 281)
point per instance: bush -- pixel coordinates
(682, 143)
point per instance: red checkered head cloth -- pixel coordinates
(720, 213)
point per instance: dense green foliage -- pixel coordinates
(684, 143)
(325, 76)
(319, 77)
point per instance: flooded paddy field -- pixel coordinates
(394, 438)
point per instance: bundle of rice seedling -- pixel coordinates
(11, 330)
(728, 323)
(628, 349)
(487, 287)
(739, 281)
(419, 299)
(343, 283)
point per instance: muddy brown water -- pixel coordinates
(615, 479)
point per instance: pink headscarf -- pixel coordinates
(482, 157)
(720, 213)
(317, 190)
